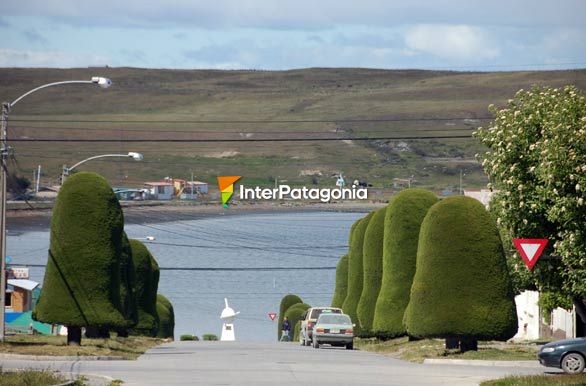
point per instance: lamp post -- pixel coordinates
(135, 156)
(4, 151)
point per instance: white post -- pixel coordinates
(38, 180)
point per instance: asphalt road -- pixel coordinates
(282, 364)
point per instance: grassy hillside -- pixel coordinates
(310, 103)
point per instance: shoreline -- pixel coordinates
(162, 212)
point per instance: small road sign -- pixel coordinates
(272, 315)
(530, 250)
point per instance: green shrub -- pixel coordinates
(355, 272)
(341, 282)
(146, 285)
(461, 288)
(210, 337)
(127, 283)
(188, 337)
(294, 314)
(166, 317)
(287, 301)
(372, 256)
(82, 278)
(296, 331)
(402, 223)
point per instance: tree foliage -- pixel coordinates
(286, 302)
(166, 317)
(461, 288)
(341, 289)
(82, 279)
(372, 260)
(536, 162)
(402, 223)
(146, 286)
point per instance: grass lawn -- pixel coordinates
(129, 348)
(30, 378)
(417, 351)
(539, 380)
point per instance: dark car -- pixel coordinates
(568, 355)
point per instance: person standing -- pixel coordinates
(286, 330)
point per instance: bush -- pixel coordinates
(166, 317)
(146, 285)
(210, 337)
(402, 223)
(287, 301)
(127, 283)
(341, 289)
(355, 270)
(372, 256)
(82, 278)
(461, 288)
(296, 331)
(294, 314)
(188, 337)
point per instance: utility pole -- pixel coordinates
(3, 175)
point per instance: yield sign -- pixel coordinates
(272, 315)
(530, 250)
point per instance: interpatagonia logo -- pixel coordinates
(226, 185)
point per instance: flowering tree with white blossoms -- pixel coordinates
(536, 160)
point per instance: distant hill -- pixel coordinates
(410, 110)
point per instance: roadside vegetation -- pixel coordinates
(539, 380)
(30, 378)
(127, 348)
(419, 350)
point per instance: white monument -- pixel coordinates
(227, 317)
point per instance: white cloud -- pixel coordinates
(452, 41)
(26, 58)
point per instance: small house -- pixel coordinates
(19, 294)
(160, 190)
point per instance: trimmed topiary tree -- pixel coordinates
(341, 282)
(403, 220)
(294, 313)
(287, 301)
(166, 317)
(296, 331)
(82, 279)
(355, 272)
(146, 285)
(127, 296)
(461, 289)
(372, 256)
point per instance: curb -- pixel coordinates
(60, 358)
(473, 362)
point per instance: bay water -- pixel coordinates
(253, 260)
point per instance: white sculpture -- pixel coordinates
(227, 317)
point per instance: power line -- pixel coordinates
(237, 140)
(257, 121)
(215, 268)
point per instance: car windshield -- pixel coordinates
(334, 319)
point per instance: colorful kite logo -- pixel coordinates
(226, 184)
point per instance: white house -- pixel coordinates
(160, 190)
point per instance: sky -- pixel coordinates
(467, 35)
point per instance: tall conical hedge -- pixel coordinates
(294, 314)
(146, 285)
(461, 288)
(166, 316)
(286, 302)
(372, 257)
(355, 271)
(82, 279)
(341, 282)
(403, 220)
(127, 283)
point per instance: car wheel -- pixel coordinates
(350, 346)
(315, 343)
(573, 363)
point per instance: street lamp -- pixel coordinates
(135, 156)
(4, 150)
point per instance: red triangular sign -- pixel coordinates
(530, 250)
(272, 315)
